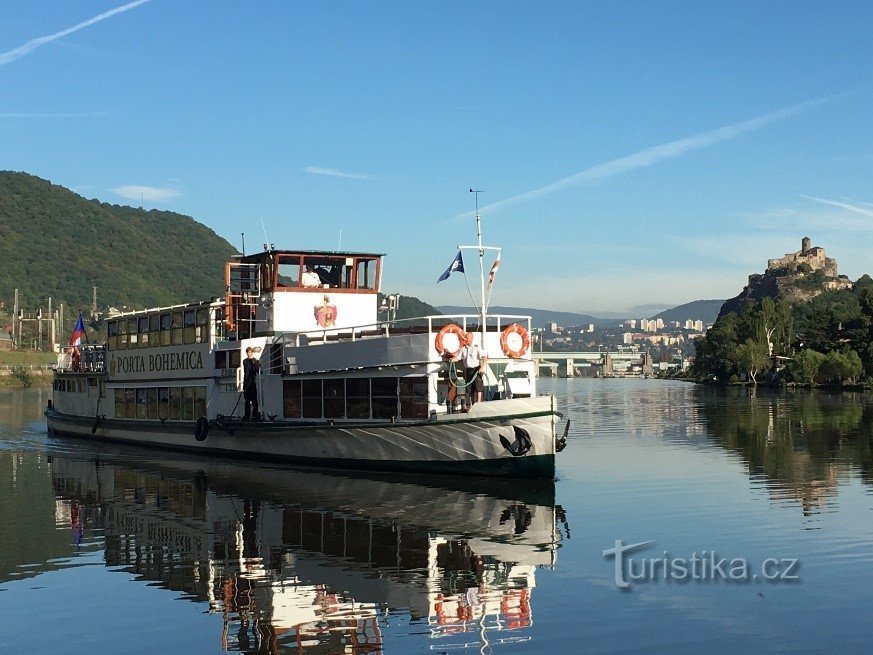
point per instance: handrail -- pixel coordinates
(353, 333)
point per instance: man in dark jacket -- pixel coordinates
(251, 371)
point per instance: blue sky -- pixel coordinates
(630, 153)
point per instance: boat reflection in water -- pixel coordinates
(297, 561)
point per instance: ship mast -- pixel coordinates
(481, 263)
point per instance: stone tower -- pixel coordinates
(805, 245)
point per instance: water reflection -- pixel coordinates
(800, 445)
(297, 561)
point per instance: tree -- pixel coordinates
(806, 365)
(841, 366)
(752, 357)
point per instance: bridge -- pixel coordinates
(608, 364)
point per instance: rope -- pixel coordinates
(460, 383)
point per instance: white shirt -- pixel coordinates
(310, 279)
(473, 355)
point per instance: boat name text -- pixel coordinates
(184, 361)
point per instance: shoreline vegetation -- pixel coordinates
(823, 343)
(22, 369)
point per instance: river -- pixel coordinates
(763, 499)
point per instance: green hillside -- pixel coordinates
(58, 243)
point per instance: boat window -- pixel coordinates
(413, 397)
(384, 398)
(130, 403)
(141, 403)
(312, 399)
(190, 322)
(365, 274)
(202, 325)
(154, 330)
(199, 402)
(166, 328)
(177, 329)
(152, 403)
(291, 399)
(112, 334)
(220, 359)
(333, 272)
(187, 403)
(163, 403)
(358, 398)
(119, 403)
(175, 403)
(143, 329)
(132, 336)
(334, 399)
(289, 271)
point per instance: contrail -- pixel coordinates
(658, 153)
(83, 114)
(33, 44)
(842, 205)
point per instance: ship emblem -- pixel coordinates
(325, 313)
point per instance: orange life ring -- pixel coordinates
(449, 348)
(514, 341)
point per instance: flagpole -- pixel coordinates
(481, 259)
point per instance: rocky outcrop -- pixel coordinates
(796, 278)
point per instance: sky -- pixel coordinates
(630, 154)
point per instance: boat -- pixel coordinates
(342, 383)
(300, 560)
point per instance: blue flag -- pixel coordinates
(456, 265)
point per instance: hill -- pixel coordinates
(58, 243)
(796, 278)
(539, 317)
(704, 310)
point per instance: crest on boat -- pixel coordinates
(325, 313)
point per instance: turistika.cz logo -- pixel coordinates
(705, 566)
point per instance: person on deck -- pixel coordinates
(310, 278)
(251, 371)
(474, 358)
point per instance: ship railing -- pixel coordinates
(88, 359)
(419, 325)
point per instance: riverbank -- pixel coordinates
(20, 369)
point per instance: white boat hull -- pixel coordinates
(468, 443)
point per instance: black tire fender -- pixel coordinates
(201, 430)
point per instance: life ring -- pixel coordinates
(450, 339)
(201, 429)
(514, 341)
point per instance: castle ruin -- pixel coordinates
(814, 257)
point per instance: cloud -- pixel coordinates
(655, 154)
(84, 114)
(843, 205)
(150, 193)
(332, 172)
(33, 44)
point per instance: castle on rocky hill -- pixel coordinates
(797, 277)
(814, 257)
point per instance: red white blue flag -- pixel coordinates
(78, 332)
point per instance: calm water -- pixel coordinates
(132, 551)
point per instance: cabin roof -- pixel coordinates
(321, 253)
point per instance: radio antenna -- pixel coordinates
(266, 240)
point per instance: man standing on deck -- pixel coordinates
(474, 358)
(251, 371)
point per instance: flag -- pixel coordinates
(493, 272)
(456, 265)
(78, 332)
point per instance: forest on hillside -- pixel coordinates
(57, 243)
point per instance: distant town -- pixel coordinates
(643, 345)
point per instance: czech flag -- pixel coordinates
(456, 265)
(78, 332)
